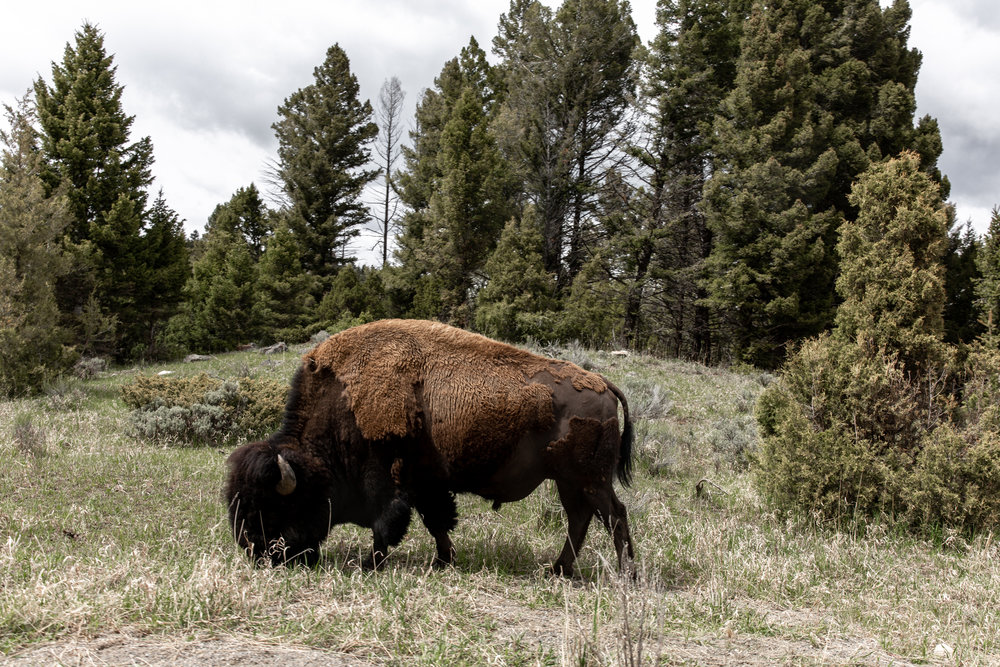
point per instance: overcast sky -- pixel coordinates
(204, 79)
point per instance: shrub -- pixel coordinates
(879, 416)
(29, 438)
(844, 433)
(955, 480)
(647, 399)
(202, 409)
(734, 442)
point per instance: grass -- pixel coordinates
(105, 536)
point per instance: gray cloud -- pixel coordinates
(204, 80)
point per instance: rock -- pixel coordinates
(275, 349)
(621, 353)
(319, 337)
(161, 373)
(196, 357)
(942, 650)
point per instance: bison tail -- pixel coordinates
(624, 471)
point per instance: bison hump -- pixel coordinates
(381, 375)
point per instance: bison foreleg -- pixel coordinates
(387, 531)
(438, 511)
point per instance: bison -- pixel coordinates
(402, 414)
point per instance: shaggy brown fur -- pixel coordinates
(473, 380)
(440, 410)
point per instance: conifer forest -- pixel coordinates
(751, 188)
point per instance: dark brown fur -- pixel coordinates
(403, 413)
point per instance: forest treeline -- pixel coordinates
(684, 197)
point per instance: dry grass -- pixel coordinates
(113, 550)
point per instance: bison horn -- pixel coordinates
(287, 483)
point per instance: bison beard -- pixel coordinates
(403, 414)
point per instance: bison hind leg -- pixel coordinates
(578, 515)
(581, 505)
(615, 519)
(388, 530)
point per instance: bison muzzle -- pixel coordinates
(402, 414)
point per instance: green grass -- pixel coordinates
(102, 535)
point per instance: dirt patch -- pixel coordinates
(706, 650)
(755, 650)
(160, 652)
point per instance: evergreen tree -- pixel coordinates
(570, 75)
(689, 68)
(121, 275)
(323, 133)
(284, 303)
(469, 206)
(469, 192)
(85, 135)
(961, 312)
(988, 286)
(417, 181)
(519, 295)
(31, 258)
(167, 269)
(867, 420)
(892, 278)
(85, 140)
(822, 89)
(356, 296)
(244, 214)
(219, 298)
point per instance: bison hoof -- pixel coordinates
(441, 563)
(562, 569)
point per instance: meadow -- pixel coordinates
(115, 549)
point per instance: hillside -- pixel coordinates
(114, 549)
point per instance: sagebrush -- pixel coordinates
(202, 409)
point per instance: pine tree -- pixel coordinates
(469, 207)
(822, 89)
(118, 245)
(323, 133)
(284, 303)
(85, 135)
(219, 298)
(689, 68)
(244, 214)
(961, 311)
(570, 75)
(519, 297)
(31, 258)
(167, 269)
(417, 181)
(356, 296)
(988, 287)
(458, 187)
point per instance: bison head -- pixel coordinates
(277, 509)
